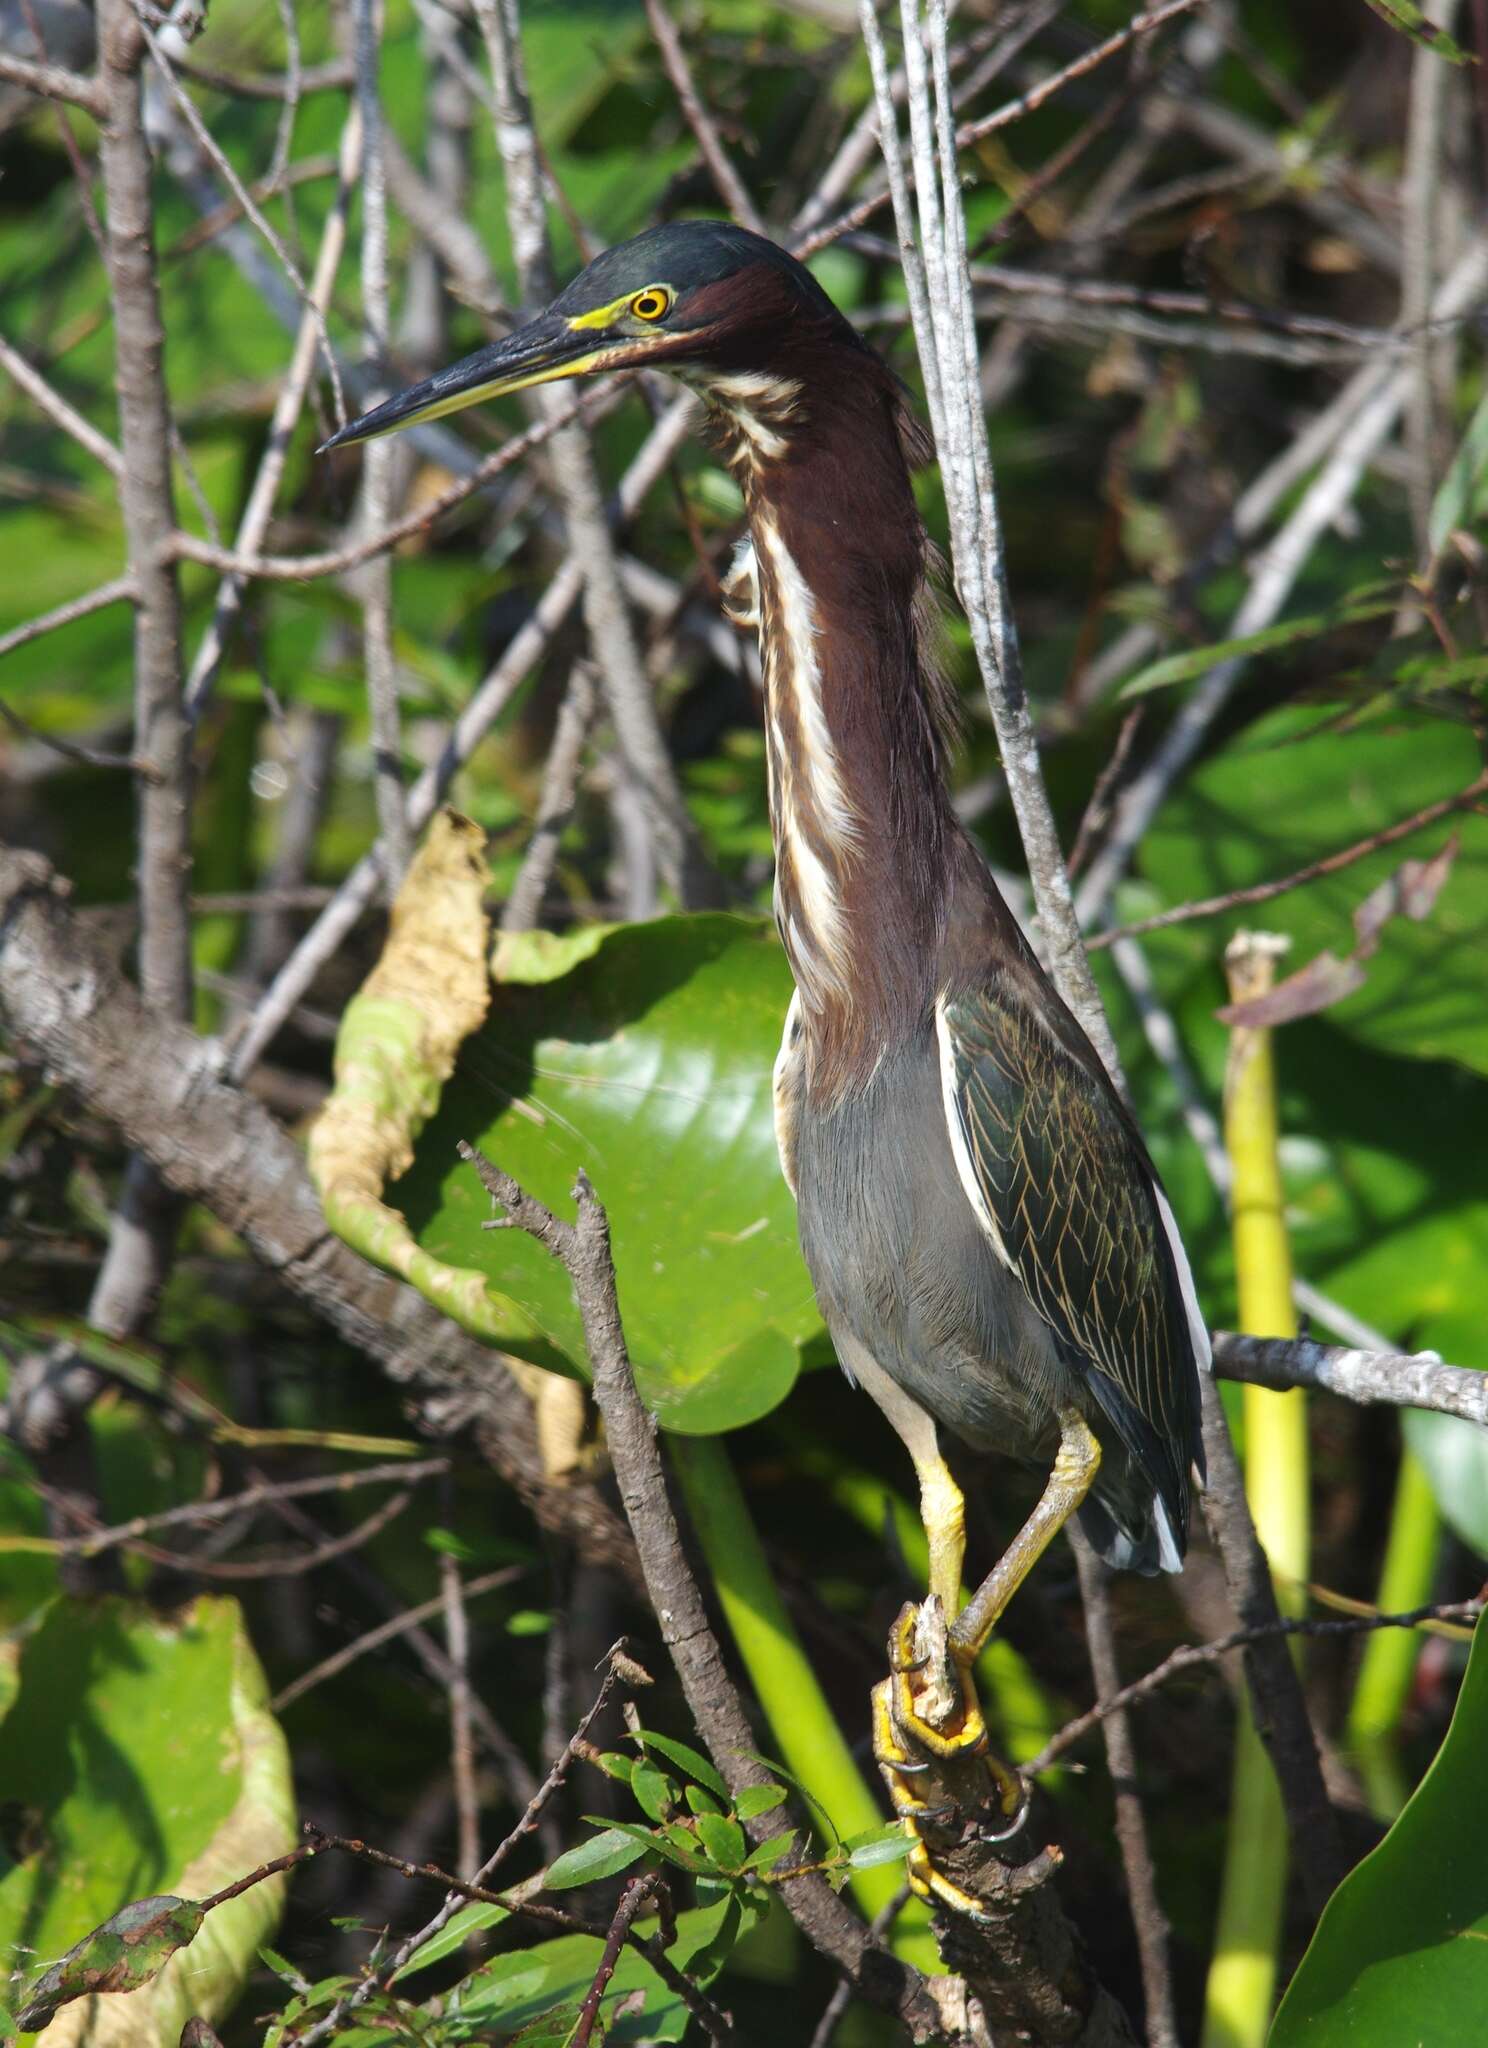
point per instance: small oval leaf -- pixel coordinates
(601, 1856)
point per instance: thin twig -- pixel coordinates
(1329, 864)
(1378, 395)
(462, 1754)
(1190, 1655)
(490, 699)
(641, 746)
(336, 561)
(203, 138)
(337, 75)
(1149, 1920)
(55, 406)
(712, 1698)
(1013, 110)
(287, 408)
(195, 1513)
(731, 187)
(72, 750)
(1420, 252)
(555, 803)
(635, 1893)
(386, 1972)
(373, 583)
(123, 590)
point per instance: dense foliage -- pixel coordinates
(1241, 437)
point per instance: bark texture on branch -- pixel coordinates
(65, 1003)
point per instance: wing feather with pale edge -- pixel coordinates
(786, 1088)
(1063, 1187)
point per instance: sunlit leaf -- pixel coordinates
(141, 1751)
(1401, 1952)
(601, 1856)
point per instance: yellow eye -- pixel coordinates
(654, 303)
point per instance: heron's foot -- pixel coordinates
(930, 1743)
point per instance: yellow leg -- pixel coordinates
(1075, 1467)
(942, 1509)
(943, 1512)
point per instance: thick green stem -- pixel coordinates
(1389, 1660)
(1242, 1975)
(803, 1728)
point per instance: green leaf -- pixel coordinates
(686, 1759)
(701, 1801)
(142, 1754)
(1290, 789)
(757, 1799)
(724, 1840)
(1197, 661)
(601, 1856)
(554, 2030)
(1405, 16)
(883, 1845)
(453, 1935)
(125, 1952)
(657, 1841)
(614, 1765)
(770, 1851)
(648, 1065)
(656, 1793)
(516, 1990)
(1401, 1952)
(1455, 1455)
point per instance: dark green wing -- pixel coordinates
(1064, 1188)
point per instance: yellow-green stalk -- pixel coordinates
(1242, 1976)
(1389, 1659)
(804, 1731)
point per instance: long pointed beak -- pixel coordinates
(539, 353)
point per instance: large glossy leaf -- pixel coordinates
(137, 1757)
(648, 1065)
(1401, 1953)
(1290, 789)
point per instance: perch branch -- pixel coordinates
(583, 1249)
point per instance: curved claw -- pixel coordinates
(931, 1745)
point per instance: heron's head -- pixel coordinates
(710, 302)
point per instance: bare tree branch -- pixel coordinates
(611, 635)
(360, 887)
(66, 1003)
(1381, 391)
(55, 82)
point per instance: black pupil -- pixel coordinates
(649, 304)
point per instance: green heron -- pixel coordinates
(988, 1238)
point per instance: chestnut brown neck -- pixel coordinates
(855, 715)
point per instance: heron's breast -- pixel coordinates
(901, 1263)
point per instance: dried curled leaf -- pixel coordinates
(395, 1050)
(398, 1041)
(1410, 892)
